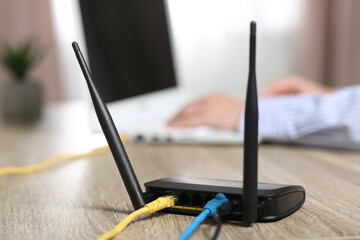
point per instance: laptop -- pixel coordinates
(132, 60)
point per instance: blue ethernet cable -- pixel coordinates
(201, 217)
(208, 211)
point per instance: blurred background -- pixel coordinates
(317, 39)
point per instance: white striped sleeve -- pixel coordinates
(324, 121)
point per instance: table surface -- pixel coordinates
(81, 199)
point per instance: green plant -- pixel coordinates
(20, 59)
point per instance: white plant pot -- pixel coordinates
(21, 101)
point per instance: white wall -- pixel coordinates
(68, 28)
(211, 41)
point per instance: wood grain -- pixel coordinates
(84, 198)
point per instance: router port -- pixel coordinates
(197, 201)
(184, 199)
(208, 198)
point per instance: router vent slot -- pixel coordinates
(287, 202)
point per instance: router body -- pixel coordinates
(275, 201)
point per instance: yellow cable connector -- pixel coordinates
(62, 157)
(154, 206)
(161, 203)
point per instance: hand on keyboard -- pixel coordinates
(215, 110)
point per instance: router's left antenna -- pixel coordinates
(117, 148)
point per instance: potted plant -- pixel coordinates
(21, 98)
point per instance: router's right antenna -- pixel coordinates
(249, 213)
(107, 124)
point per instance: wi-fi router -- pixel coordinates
(259, 201)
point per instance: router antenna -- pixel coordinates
(112, 136)
(250, 198)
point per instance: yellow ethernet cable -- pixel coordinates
(62, 157)
(44, 164)
(154, 206)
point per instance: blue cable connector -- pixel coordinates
(208, 211)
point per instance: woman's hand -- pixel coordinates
(295, 85)
(215, 110)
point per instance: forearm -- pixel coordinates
(325, 121)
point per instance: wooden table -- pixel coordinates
(84, 198)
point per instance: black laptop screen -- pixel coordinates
(128, 46)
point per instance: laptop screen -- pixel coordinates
(128, 47)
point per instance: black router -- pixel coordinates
(261, 202)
